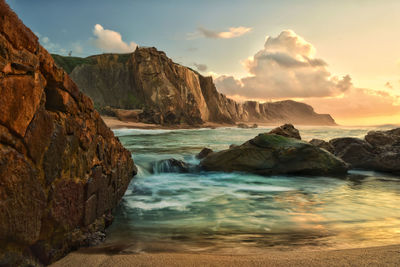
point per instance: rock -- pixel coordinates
(169, 93)
(384, 138)
(322, 144)
(286, 130)
(204, 153)
(232, 146)
(170, 165)
(62, 170)
(128, 115)
(254, 126)
(243, 126)
(269, 154)
(354, 151)
(380, 151)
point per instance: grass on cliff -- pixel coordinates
(69, 63)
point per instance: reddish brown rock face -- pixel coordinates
(62, 171)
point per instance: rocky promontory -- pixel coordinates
(62, 171)
(163, 92)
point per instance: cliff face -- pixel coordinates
(61, 168)
(169, 93)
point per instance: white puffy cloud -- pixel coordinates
(111, 41)
(286, 67)
(233, 32)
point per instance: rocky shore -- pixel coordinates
(62, 171)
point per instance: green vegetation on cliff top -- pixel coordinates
(69, 63)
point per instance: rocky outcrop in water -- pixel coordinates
(62, 170)
(286, 130)
(268, 154)
(379, 151)
(169, 93)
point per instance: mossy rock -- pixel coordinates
(269, 154)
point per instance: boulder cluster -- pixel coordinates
(379, 150)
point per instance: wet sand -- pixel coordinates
(373, 256)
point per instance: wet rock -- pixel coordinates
(170, 165)
(322, 144)
(57, 157)
(380, 151)
(384, 138)
(204, 153)
(286, 130)
(268, 154)
(354, 151)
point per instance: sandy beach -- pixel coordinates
(373, 256)
(115, 123)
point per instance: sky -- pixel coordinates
(342, 57)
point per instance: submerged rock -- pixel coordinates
(286, 130)
(62, 170)
(171, 165)
(268, 154)
(204, 153)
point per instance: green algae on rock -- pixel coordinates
(269, 154)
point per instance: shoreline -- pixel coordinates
(115, 123)
(376, 256)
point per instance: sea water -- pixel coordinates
(238, 212)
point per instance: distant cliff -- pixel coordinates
(168, 93)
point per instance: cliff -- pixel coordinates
(169, 93)
(62, 170)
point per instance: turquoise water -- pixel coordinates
(236, 212)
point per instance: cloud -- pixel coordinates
(200, 67)
(358, 103)
(233, 32)
(286, 67)
(111, 41)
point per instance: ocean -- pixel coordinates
(215, 212)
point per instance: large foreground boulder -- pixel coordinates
(380, 151)
(62, 170)
(268, 154)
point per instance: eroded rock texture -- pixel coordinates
(61, 168)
